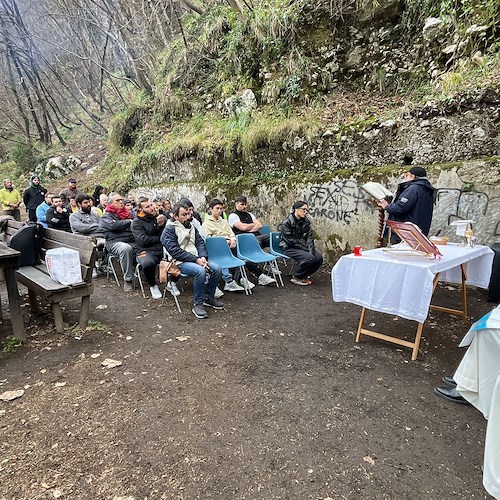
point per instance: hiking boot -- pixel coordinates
(246, 284)
(155, 292)
(300, 281)
(218, 293)
(128, 287)
(265, 280)
(213, 302)
(172, 288)
(232, 286)
(199, 311)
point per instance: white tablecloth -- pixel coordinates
(478, 380)
(381, 282)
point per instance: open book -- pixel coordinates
(376, 190)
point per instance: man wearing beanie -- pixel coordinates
(33, 196)
(414, 201)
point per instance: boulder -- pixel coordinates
(382, 9)
(235, 105)
(433, 28)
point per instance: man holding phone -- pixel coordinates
(187, 249)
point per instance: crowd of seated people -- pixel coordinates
(145, 231)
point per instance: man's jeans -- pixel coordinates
(202, 291)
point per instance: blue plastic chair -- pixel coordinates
(248, 249)
(219, 251)
(265, 229)
(277, 251)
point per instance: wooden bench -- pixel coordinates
(39, 283)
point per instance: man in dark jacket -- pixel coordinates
(120, 241)
(297, 243)
(33, 196)
(57, 216)
(414, 201)
(147, 228)
(187, 248)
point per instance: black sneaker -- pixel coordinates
(199, 311)
(213, 302)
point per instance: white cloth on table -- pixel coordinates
(478, 381)
(403, 286)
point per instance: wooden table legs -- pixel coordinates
(14, 305)
(418, 334)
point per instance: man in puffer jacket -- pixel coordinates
(187, 248)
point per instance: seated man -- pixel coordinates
(242, 221)
(215, 225)
(185, 245)
(57, 216)
(119, 239)
(41, 210)
(147, 228)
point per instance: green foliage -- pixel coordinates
(10, 344)
(26, 157)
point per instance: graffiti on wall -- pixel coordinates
(337, 201)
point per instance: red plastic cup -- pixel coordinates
(358, 250)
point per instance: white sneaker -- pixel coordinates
(218, 293)
(94, 273)
(233, 287)
(264, 280)
(274, 268)
(155, 292)
(246, 284)
(172, 288)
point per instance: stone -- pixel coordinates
(450, 49)
(471, 30)
(235, 105)
(388, 123)
(433, 27)
(353, 60)
(382, 9)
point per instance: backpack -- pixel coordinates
(28, 240)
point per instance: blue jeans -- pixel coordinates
(202, 289)
(226, 275)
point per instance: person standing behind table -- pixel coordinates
(10, 198)
(41, 210)
(33, 196)
(57, 216)
(414, 201)
(297, 243)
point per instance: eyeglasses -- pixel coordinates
(304, 209)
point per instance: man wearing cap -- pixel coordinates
(10, 198)
(413, 202)
(33, 196)
(69, 191)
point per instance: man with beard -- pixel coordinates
(414, 201)
(187, 248)
(71, 190)
(120, 241)
(10, 198)
(41, 210)
(33, 196)
(57, 216)
(147, 228)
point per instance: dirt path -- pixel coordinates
(270, 399)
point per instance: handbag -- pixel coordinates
(168, 267)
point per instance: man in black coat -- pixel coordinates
(57, 216)
(33, 196)
(414, 201)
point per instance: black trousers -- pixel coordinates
(307, 262)
(32, 214)
(148, 260)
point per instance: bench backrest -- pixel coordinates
(53, 238)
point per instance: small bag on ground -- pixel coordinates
(63, 265)
(168, 267)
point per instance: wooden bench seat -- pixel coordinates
(39, 283)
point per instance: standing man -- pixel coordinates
(57, 216)
(414, 201)
(68, 191)
(120, 241)
(147, 228)
(185, 245)
(33, 196)
(297, 243)
(10, 198)
(41, 210)
(243, 221)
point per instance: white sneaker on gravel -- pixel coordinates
(218, 293)
(155, 292)
(94, 273)
(172, 288)
(246, 284)
(233, 287)
(265, 280)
